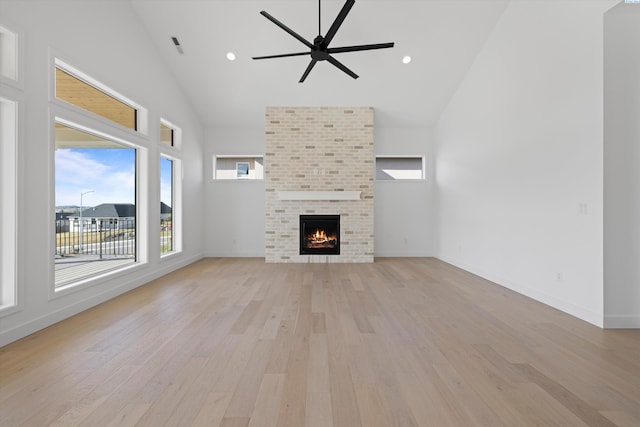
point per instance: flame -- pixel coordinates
(320, 238)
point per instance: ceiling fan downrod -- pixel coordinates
(319, 18)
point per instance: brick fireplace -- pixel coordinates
(319, 161)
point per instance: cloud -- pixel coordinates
(108, 173)
(73, 167)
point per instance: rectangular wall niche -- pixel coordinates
(319, 234)
(319, 161)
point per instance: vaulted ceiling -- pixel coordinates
(442, 37)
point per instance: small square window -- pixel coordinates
(232, 167)
(392, 168)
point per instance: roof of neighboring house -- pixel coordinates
(60, 216)
(111, 210)
(118, 210)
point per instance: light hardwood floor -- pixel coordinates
(406, 342)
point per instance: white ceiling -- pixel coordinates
(442, 36)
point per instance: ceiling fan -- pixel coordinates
(319, 49)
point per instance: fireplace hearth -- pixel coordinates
(319, 234)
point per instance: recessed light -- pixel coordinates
(406, 59)
(231, 56)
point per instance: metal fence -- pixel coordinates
(166, 236)
(103, 237)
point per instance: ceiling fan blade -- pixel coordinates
(308, 70)
(284, 55)
(359, 47)
(287, 29)
(339, 19)
(338, 64)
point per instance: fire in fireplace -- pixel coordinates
(319, 234)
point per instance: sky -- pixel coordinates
(109, 172)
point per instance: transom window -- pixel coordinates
(166, 135)
(95, 98)
(8, 54)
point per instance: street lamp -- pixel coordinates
(81, 225)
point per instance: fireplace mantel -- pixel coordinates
(318, 195)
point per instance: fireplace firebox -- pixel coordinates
(319, 234)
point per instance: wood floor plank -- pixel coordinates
(319, 412)
(267, 406)
(397, 342)
(129, 416)
(580, 408)
(372, 410)
(212, 411)
(246, 393)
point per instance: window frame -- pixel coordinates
(423, 170)
(141, 113)
(240, 158)
(74, 116)
(176, 137)
(173, 153)
(9, 112)
(14, 55)
(141, 222)
(176, 206)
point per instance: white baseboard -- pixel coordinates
(581, 313)
(621, 322)
(400, 254)
(390, 254)
(234, 254)
(49, 319)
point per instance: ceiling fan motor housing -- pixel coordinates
(319, 50)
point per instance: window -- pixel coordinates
(8, 143)
(170, 188)
(74, 87)
(242, 170)
(8, 54)
(166, 135)
(389, 168)
(166, 203)
(95, 198)
(100, 224)
(234, 167)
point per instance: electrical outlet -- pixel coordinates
(583, 209)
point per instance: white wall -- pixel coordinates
(104, 40)
(235, 211)
(519, 158)
(403, 221)
(622, 166)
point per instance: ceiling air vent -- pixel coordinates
(177, 44)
